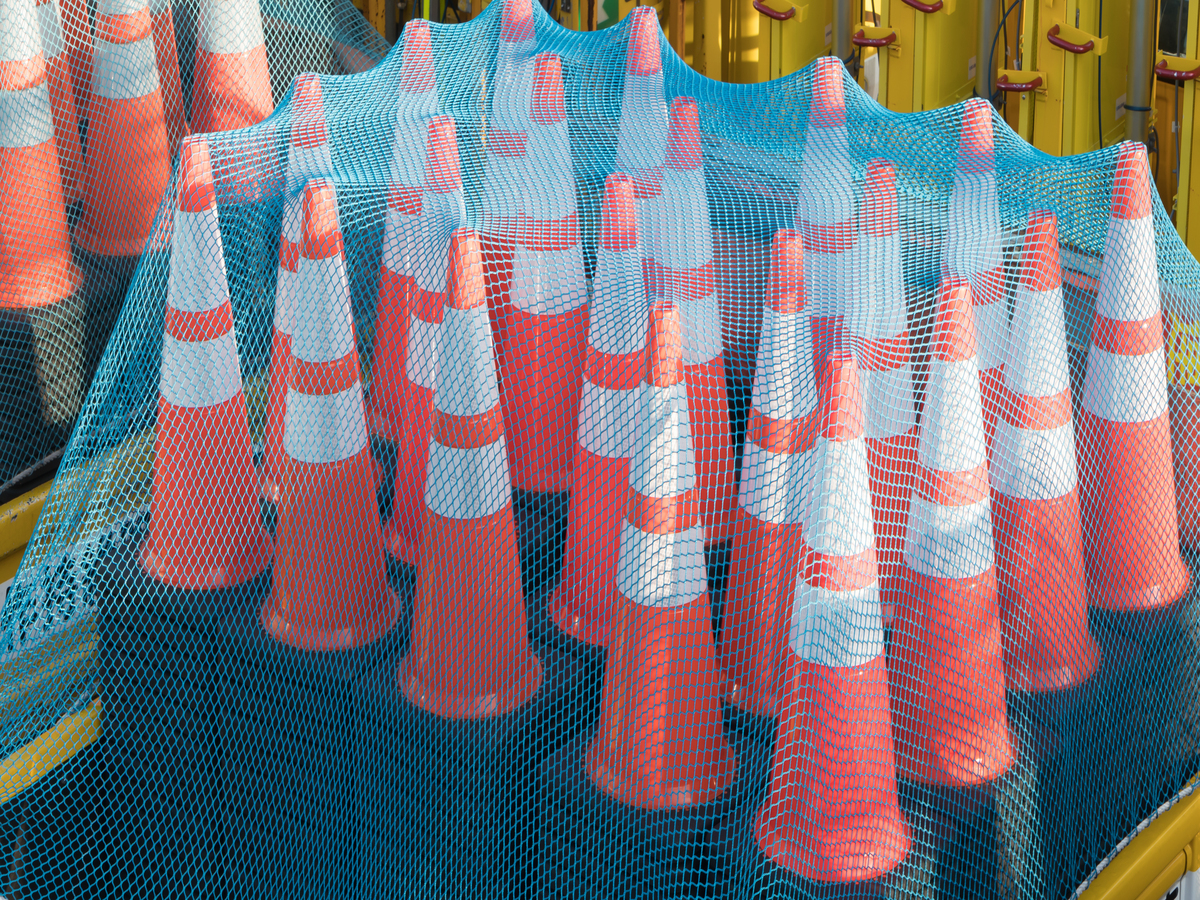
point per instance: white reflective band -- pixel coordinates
(1036, 363)
(120, 7)
(991, 334)
(421, 359)
(197, 280)
(285, 301)
(512, 92)
(881, 308)
(829, 278)
(50, 26)
(548, 282)
(663, 463)
(409, 139)
(606, 420)
(323, 327)
(841, 523)
(399, 242)
(1129, 290)
(324, 428)
(887, 402)
(125, 71)
(502, 195)
(158, 7)
(775, 487)
(838, 629)
(974, 240)
(826, 180)
(952, 438)
(1125, 388)
(1031, 464)
(676, 222)
(440, 215)
(196, 374)
(230, 26)
(307, 163)
(619, 307)
(949, 541)
(701, 321)
(467, 375)
(20, 38)
(642, 133)
(467, 482)
(662, 570)
(552, 194)
(784, 384)
(293, 218)
(25, 117)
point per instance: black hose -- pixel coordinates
(992, 55)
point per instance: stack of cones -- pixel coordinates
(232, 84)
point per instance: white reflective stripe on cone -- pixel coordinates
(662, 570)
(1036, 364)
(324, 428)
(512, 91)
(887, 402)
(502, 197)
(974, 242)
(991, 333)
(125, 71)
(775, 486)
(409, 139)
(285, 301)
(663, 463)
(949, 541)
(466, 351)
(829, 282)
(784, 385)
(1033, 464)
(197, 374)
(1125, 388)
(676, 221)
(25, 117)
(399, 242)
(467, 483)
(606, 420)
(421, 359)
(307, 163)
(323, 326)
(701, 321)
(642, 133)
(838, 629)
(1128, 272)
(841, 524)
(230, 26)
(952, 438)
(826, 195)
(440, 215)
(127, 7)
(548, 282)
(50, 26)
(197, 280)
(21, 38)
(552, 194)
(881, 311)
(619, 305)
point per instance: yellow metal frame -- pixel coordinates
(1187, 203)
(930, 64)
(51, 749)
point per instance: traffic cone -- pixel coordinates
(679, 267)
(643, 127)
(1035, 498)
(469, 657)
(544, 324)
(77, 33)
(945, 656)
(62, 100)
(974, 251)
(585, 602)
(166, 55)
(825, 212)
(331, 588)
(833, 814)
(128, 152)
(232, 83)
(308, 157)
(205, 528)
(1131, 536)
(660, 744)
(404, 412)
(772, 502)
(879, 340)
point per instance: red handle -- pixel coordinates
(773, 14)
(1162, 71)
(1018, 87)
(861, 40)
(924, 7)
(1064, 44)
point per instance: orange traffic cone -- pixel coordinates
(232, 84)
(162, 25)
(308, 157)
(1131, 535)
(331, 589)
(544, 324)
(62, 100)
(469, 657)
(1035, 497)
(643, 127)
(945, 656)
(205, 527)
(405, 411)
(660, 744)
(833, 814)
(974, 251)
(128, 153)
(585, 602)
(825, 213)
(772, 502)
(879, 339)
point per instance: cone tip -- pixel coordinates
(464, 288)
(1131, 185)
(516, 21)
(549, 101)
(1040, 267)
(954, 338)
(683, 135)
(664, 345)
(785, 280)
(308, 115)
(417, 70)
(442, 172)
(644, 56)
(196, 192)
(882, 211)
(618, 214)
(829, 95)
(841, 407)
(321, 235)
(976, 149)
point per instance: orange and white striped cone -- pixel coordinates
(62, 100)
(772, 502)
(77, 32)
(162, 25)
(825, 211)
(660, 744)
(643, 127)
(1131, 535)
(469, 657)
(584, 604)
(206, 531)
(412, 387)
(680, 269)
(308, 158)
(879, 340)
(544, 323)
(231, 86)
(1035, 496)
(833, 813)
(128, 151)
(331, 589)
(974, 251)
(945, 657)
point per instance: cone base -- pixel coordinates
(246, 560)
(328, 639)
(452, 704)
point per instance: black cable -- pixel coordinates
(992, 55)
